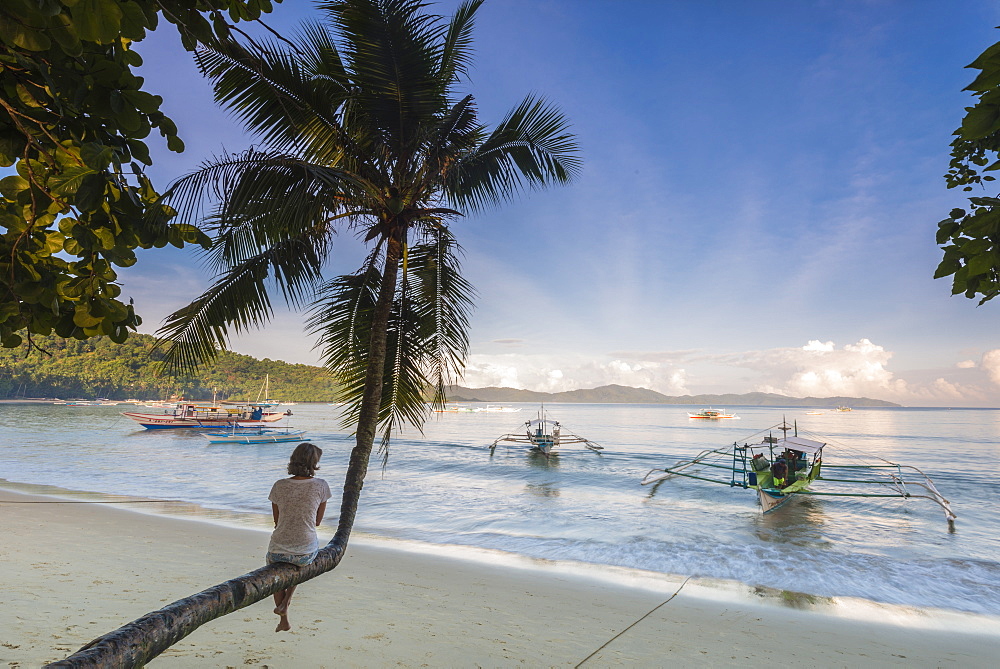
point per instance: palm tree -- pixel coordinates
(361, 130)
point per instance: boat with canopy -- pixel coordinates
(781, 466)
(712, 414)
(544, 435)
(199, 415)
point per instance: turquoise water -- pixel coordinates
(444, 487)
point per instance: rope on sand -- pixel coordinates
(633, 624)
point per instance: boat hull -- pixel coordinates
(276, 438)
(772, 500)
(162, 421)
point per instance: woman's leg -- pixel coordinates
(281, 601)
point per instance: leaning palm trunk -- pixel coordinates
(143, 639)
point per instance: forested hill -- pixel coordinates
(100, 368)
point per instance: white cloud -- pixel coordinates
(820, 369)
(559, 373)
(816, 345)
(991, 363)
(966, 364)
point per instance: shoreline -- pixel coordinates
(82, 570)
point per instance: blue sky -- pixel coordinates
(757, 208)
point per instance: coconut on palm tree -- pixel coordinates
(361, 130)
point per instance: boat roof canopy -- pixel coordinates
(800, 444)
(542, 422)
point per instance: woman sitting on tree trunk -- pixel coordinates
(298, 504)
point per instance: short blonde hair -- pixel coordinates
(305, 459)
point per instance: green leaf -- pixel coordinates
(982, 264)
(96, 156)
(12, 185)
(83, 318)
(64, 33)
(97, 20)
(91, 192)
(22, 35)
(946, 229)
(139, 151)
(68, 181)
(980, 121)
(174, 143)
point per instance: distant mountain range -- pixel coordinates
(615, 394)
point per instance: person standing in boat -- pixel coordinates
(297, 504)
(779, 474)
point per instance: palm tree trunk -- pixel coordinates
(372, 398)
(143, 639)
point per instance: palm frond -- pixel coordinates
(444, 300)
(532, 147)
(426, 338)
(457, 52)
(275, 92)
(238, 300)
(249, 184)
(392, 52)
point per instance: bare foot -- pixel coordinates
(281, 610)
(283, 625)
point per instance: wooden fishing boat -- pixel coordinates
(194, 415)
(779, 468)
(544, 435)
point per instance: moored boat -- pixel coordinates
(712, 414)
(780, 468)
(544, 435)
(194, 415)
(254, 434)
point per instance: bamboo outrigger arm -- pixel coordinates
(665, 473)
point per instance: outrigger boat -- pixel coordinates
(194, 415)
(782, 467)
(712, 414)
(545, 435)
(254, 434)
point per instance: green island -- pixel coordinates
(98, 367)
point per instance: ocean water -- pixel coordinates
(444, 487)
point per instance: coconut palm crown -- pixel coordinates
(360, 129)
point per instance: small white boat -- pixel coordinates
(492, 408)
(712, 414)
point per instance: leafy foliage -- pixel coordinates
(73, 123)
(971, 237)
(99, 367)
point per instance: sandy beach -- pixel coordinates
(73, 571)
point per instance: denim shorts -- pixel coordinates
(298, 560)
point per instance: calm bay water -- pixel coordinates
(444, 487)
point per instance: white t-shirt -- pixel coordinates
(297, 502)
